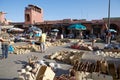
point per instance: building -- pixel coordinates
(4, 23)
(3, 20)
(33, 14)
(114, 23)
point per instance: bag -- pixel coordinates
(11, 48)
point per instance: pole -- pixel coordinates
(109, 15)
(109, 34)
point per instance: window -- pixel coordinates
(27, 16)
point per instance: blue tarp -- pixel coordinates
(37, 35)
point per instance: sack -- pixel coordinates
(11, 48)
(45, 73)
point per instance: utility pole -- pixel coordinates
(109, 15)
(109, 33)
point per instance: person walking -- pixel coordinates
(42, 40)
(108, 38)
(5, 40)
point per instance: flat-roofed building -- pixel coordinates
(3, 20)
(33, 14)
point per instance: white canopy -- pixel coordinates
(6, 27)
(16, 29)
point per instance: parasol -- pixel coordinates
(54, 30)
(112, 30)
(77, 27)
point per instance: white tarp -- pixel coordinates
(16, 29)
(6, 27)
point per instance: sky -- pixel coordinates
(62, 9)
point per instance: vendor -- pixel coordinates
(17, 38)
(5, 39)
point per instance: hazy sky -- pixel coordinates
(61, 9)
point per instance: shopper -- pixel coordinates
(108, 37)
(5, 39)
(42, 41)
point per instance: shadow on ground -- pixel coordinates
(20, 62)
(0, 56)
(8, 79)
(61, 71)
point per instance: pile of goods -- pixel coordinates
(92, 76)
(29, 73)
(56, 43)
(74, 40)
(87, 66)
(65, 40)
(23, 49)
(112, 47)
(67, 56)
(82, 46)
(99, 70)
(110, 53)
(35, 71)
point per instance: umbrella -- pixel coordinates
(112, 30)
(16, 29)
(54, 30)
(77, 27)
(33, 28)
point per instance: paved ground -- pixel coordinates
(9, 67)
